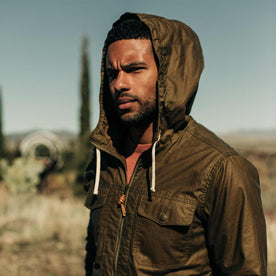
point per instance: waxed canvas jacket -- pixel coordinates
(205, 216)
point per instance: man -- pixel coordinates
(167, 197)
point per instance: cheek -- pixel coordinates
(152, 85)
(111, 89)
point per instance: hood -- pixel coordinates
(180, 57)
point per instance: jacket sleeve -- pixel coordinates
(90, 249)
(89, 170)
(236, 226)
(90, 243)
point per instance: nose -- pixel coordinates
(122, 82)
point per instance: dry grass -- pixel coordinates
(271, 243)
(42, 235)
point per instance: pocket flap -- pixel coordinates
(94, 202)
(169, 211)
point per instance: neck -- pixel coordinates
(142, 134)
(136, 135)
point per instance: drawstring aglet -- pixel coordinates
(121, 203)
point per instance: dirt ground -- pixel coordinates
(44, 259)
(42, 235)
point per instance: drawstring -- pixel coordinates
(98, 171)
(153, 163)
(98, 167)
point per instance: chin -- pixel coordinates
(128, 120)
(137, 118)
(134, 121)
(127, 116)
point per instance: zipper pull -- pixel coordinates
(121, 203)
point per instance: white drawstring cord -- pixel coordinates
(153, 163)
(153, 167)
(98, 168)
(98, 171)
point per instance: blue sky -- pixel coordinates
(40, 59)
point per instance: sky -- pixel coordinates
(40, 54)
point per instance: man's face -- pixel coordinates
(132, 76)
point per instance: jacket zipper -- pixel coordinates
(121, 223)
(119, 236)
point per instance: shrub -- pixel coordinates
(22, 176)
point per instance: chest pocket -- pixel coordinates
(163, 233)
(95, 204)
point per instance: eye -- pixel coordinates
(135, 69)
(112, 74)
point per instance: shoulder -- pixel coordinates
(226, 168)
(207, 139)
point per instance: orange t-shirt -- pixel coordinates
(132, 159)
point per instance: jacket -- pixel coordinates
(193, 203)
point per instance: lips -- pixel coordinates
(125, 102)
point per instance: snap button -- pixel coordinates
(163, 217)
(96, 266)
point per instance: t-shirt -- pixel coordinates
(132, 159)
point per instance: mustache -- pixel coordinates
(125, 95)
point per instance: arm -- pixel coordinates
(90, 243)
(90, 249)
(236, 225)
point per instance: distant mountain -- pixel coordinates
(61, 133)
(252, 133)
(262, 140)
(14, 139)
(248, 138)
(237, 134)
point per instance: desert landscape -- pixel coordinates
(50, 77)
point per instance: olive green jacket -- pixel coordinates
(205, 216)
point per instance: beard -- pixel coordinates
(142, 116)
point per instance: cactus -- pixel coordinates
(23, 175)
(2, 151)
(85, 111)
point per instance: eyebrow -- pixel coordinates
(134, 64)
(128, 66)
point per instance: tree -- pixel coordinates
(85, 111)
(84, 146)
(2, 150)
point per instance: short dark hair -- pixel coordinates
(128, 29)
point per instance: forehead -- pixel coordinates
(128, 49)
